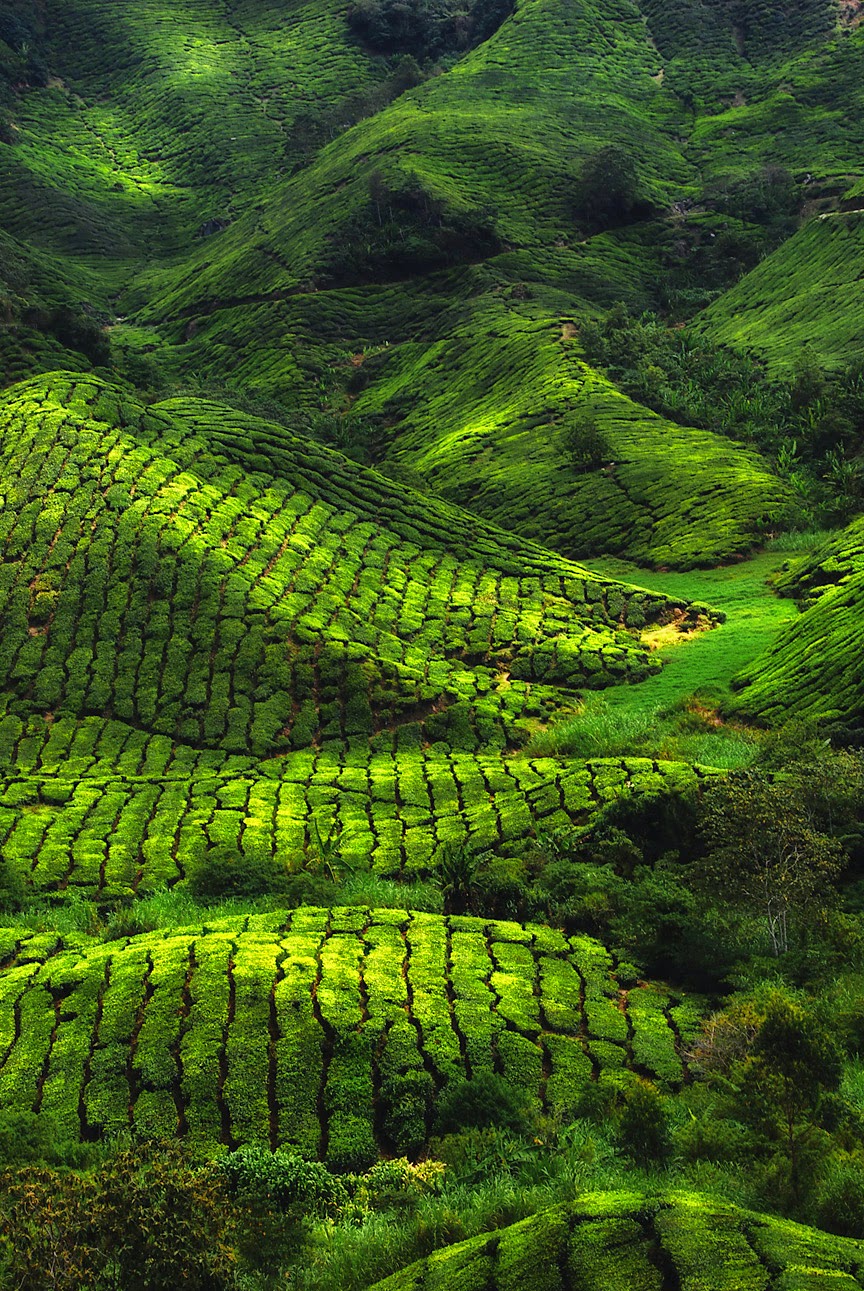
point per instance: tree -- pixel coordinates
(585, 443)
(764, 852)
(795, 1063)
(607, 194)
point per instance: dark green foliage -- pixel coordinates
(485, 1101)
(608, 192)
(585, 444)
(765, 852)
(425, 28)
(642, 1128)
(223, 871)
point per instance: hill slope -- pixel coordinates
(813, 668)
(620, 1240)
(330, 1031)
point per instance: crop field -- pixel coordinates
(100, 808)
(329, 1030)
(148, 579)
(813, 668)
(489, 431)
(819, 270)
(625, 1242)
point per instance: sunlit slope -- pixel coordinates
(627, 1242)
(96, 806)
(813, 669)
(163, 118)
(807, 294)
(483, 415)
(330, 1031)
(147, 578)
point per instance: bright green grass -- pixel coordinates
(649, 717)
(630, 1242)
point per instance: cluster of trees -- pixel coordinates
(404, 231)
(426, 29)
(691, 885)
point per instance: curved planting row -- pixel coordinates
(145, 578)
(626, 1242)
(328, 1030)
(101, 807)
(813, 667)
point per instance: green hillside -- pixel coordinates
(621, 1240)
(813, 668)
(806, 294)
(431, 594)
(215, 1032)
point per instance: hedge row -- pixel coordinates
(328, 1030)
(626, 1242)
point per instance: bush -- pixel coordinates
(839, 1204)
(426, 28)
(643, 1130)
(607, 194)
(224, 871)
(485, 1101)
(585, 444)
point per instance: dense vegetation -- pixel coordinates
(432, 720)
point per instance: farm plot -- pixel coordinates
(145, 579)
(626, 1242)
(328, 1030)
(98, 807)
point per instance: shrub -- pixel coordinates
(607, 194)
(485, 1101)
(643, 1129)
(426, 28)
(224, 871)
(586, 445)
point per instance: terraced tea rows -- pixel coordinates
(331, 1031)
(806, 294)
(813, 668)
(487, 426)
(99, 807)
(147, 579)
(626, 1242)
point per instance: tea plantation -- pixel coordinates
(630, 1243)
(819, 306)
(430, 849)
(813, 667)
(327, 1030)
(99, 807)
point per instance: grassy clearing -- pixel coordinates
(675, 713)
